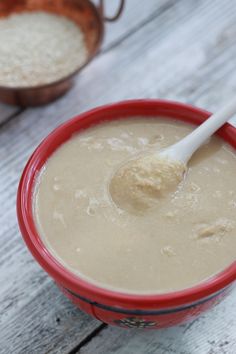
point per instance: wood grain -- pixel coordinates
(45, 321)
(184, 51)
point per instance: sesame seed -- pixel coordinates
(38, 48)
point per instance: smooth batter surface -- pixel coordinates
(185, 238)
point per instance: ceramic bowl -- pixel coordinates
(116, 308)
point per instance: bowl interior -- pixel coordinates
(82, 12)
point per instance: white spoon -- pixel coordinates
(184, 149)
(140, 182)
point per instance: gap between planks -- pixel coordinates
(11, 117)
(88, 338)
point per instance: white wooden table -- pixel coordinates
(176, 49)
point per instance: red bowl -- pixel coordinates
(113, 307)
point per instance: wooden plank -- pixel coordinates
(169, 57)
(52, 325)
(209, 334)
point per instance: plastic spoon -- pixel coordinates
(184, 149)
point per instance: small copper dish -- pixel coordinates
(91, 21)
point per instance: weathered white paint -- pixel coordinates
(184, 51)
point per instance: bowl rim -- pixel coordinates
(69, 76)
(71, 281)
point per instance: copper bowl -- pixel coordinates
(91, 21)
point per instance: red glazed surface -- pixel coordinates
(126, 310)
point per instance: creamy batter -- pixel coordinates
(185, 238)
(139, 183)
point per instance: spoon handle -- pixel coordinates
(184, 149)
